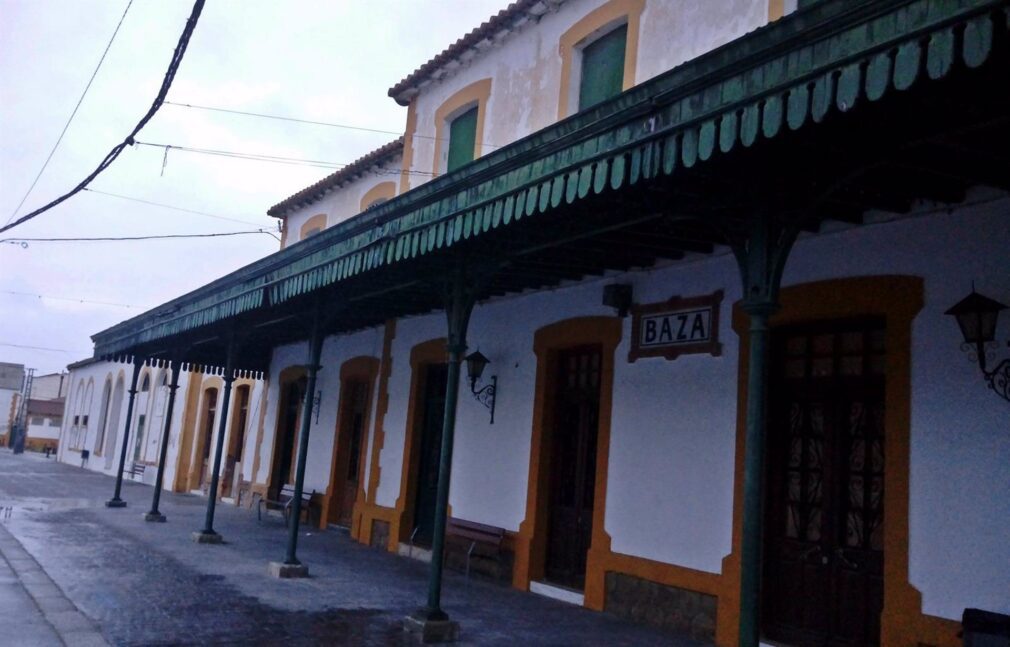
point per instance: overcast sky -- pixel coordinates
(327, 61)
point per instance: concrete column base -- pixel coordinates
(115, 503)
(287, 571)
(202, 537)
(425, 630)
(154, 516)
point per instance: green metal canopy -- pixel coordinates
(825, 63)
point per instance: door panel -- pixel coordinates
(432, 417)
(823, 571)
(573, 464)
(354, 402)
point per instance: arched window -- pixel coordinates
(103, 420)
(145, 385)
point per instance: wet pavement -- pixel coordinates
(146, 583)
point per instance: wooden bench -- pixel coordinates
(284, 500)
(136, 469)
(485, 540)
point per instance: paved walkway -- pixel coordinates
(147, 583)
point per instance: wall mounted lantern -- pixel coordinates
(977, 316)
(475, 364)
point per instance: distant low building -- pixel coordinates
(11, 380)
(44, 419)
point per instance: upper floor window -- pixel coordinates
(462, 139)
(602, 70)
(599, 55)
(312, 232)
(312, 226)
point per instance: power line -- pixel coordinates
(173, 66)
(308, 121)
(54, 350)
(17, 241)
(167, 206)
(275, 159)
(72, 114)
(46, 296)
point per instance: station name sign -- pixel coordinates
(676, 327)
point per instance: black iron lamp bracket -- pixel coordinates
(486, 394)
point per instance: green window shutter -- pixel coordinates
(462, 139)
(603, 68)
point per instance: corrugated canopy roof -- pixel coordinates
(796, 105)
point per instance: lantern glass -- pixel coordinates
(977, 316)
(475, 363)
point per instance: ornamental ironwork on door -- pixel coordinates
(824, 521)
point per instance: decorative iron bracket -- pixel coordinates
(486, 394)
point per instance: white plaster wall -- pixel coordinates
(322, 432)
(45, 431)
(670, 484)
(409, 333)
(526, 67)
(344, 202)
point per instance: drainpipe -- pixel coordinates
(153, 514)
(115, 501)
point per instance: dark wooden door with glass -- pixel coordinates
(824, 521)
(576, 416)
(292, 403)
(431, 417)
(353, 405)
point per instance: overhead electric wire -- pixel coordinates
(46, 296)
(72, 114)
(168, 206)
(173, 66)
(55, 350)
(307, 121)
(274, 159)
(120, 238)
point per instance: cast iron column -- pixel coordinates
(115, 501)
(761, 256)
(459, 305)
(153, 514)
(208, 535)
(315, 349)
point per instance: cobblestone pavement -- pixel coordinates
(149, 584)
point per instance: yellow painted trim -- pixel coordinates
(287, 375)
(255, 487)
(383, 190)
(284, 233)
(366, 369)
(196, 463)
(608, 13)
(189, 414)
(428, 352)
(364, 528)
(476, 93)
(408, 146)
(531, 540)
(898, 299)
(318, 220)
(776, 9)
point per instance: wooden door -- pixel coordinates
(431, 416)
(824, 522)
(284, 448)
(576, 413)
(353, 403)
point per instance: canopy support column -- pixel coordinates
(761, 256)
(431, 623)
(116, 501)
(208, 535)
(154, 514)
(291, 567)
